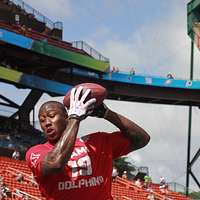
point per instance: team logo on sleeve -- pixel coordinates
(34, 158)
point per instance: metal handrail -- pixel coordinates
(38, 15)
(88, 49)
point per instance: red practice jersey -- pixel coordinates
(87, 175)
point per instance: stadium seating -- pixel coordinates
(121, 189)
(124, 189)
(40, 37)
(9, 169)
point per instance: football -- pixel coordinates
(97, 91)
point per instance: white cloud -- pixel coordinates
(135, 159)
(52, 9)
(158, 48)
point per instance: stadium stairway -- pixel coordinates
(122, 189)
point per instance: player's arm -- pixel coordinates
(137, 135)
(56, 159)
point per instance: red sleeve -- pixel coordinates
(119, 143)
(34, 156)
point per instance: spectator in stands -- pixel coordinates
(67, 167)
(26, 197)
(20, 178)
(124, 175)
(18, 193)
(151, 196)
(23, 29)
(17, 19)
(33, 181)
(16, 155)
(147, 182)
(162, 181)
(132, 71)
(1, 194)
(1, 179)
(1, 188)
(5, 190)
(115, 173)
(163, 185)
(138, 183)
(170, 76)
(115, 69)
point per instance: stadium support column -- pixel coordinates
(189, 122)
(27, 106)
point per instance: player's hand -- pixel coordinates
(79, 108)
(99, 111)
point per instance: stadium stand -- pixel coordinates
(125, 189)
(19, 17)
(16, 19)
(19, 13)
(40, 36)
(121, 189)
(10, 169)
(17, 136)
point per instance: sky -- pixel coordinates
(150, 36)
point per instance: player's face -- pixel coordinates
(53, 121)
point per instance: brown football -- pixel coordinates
(97, 91)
